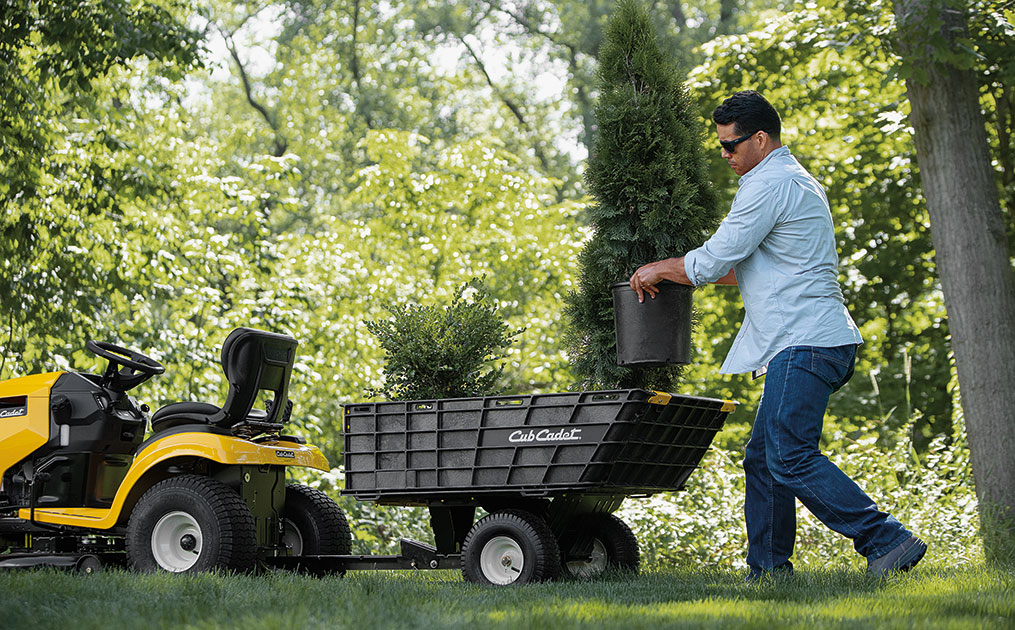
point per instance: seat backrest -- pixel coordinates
(255, 360)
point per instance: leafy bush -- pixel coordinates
(432, 352)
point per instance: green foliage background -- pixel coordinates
(169, 172)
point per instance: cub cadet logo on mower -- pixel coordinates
(546, 435)
(286, 454)
(13, 412)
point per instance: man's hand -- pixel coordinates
(645, 279)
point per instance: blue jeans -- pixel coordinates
(782, 463)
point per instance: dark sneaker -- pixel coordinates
(903, 558)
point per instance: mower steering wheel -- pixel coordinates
(137, 368)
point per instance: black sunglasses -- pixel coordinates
(731, 145)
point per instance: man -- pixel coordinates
(778, 245)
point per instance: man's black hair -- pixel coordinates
(749, 112)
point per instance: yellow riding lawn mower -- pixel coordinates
(86, 484)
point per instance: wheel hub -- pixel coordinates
(188, 542)
(595, 565)
(502, 560)
(292, 539)
(177, 541)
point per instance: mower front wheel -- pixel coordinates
(191, 524)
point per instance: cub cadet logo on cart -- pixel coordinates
(546, 435)
(11, 413)
(286, 454)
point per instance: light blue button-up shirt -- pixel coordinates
(779, 239)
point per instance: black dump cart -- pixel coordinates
(549, 470)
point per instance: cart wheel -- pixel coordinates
(314, 524)
(613, 547)
(189, 524)
(510, 547)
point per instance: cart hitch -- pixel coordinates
(415, 555)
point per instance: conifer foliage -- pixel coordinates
(653, 200)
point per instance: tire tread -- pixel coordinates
(618, 539)
(545, 544)
(334, 534)
(237, 544)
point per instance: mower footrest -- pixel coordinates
(85, 563)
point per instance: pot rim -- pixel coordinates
(662, 283)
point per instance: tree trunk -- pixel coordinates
(968, 232)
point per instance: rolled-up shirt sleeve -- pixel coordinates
(751, 218)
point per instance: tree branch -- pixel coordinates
(281, 144)
(489, 81)
(515, 110)
(588, 118)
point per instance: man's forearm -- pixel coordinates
(729, 278)
(677, 272)
(644, 280)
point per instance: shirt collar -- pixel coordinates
(783, 150)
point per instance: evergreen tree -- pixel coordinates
(649, 178)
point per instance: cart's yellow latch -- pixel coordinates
(728, 406)
(661, 398)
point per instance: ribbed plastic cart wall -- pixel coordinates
(629, 441)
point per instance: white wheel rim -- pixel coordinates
(595, 565)
(292, 539)
(177, 541)
(501, 560)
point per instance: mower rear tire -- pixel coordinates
(314, 524)
(191, 524)
(510, 547)
(614, 548)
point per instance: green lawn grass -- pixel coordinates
(976, 597)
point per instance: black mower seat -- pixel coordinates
(253, 360)
(180, 413)
(197, 412)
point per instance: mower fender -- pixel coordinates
(222, 449)
(225, 449)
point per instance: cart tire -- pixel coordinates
(314, 524)
(190, 524)
(510, 547)
(614, 548)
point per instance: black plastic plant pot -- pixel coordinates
(655, 332)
